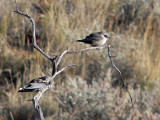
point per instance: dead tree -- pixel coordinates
(56, 60)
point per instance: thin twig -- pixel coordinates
(66, 67)
(123, 86)
(85, 49)
(56, 73)
(60, 57)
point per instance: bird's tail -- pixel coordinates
(85, 41)
(79, 41)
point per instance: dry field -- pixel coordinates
(91, 91)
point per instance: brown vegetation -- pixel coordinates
(91, 91)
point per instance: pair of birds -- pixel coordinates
(96, 39)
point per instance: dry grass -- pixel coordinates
(76, 100)
(59, 23)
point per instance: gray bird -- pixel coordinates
(36, 84)
(96, 39)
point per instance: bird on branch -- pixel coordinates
(36, 84)
(96, 39)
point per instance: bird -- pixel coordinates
(96, 39)
(36, 84)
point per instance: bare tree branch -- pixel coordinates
(85, 49)
(56, 73)
(110, 57)
(109, 54)
(55, 64)
(66, 67)
(123, 86)
(34, 44)
(36, 99)
(60, 57)
(56, 61)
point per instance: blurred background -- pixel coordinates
(91, 91)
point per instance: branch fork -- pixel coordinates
(56, 60)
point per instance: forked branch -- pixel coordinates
(55, 62)
(110, 58)
(58, 72)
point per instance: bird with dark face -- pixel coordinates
(36, 84)
(96, 39)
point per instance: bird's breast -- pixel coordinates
(100, 42)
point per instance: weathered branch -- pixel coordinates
(56, 73)
(66, 67)
(36, 99)
(109, 54)
(85, 49)
(34, 44)
(123, 86)
(55, 62)
(60, 57)
(110, 58)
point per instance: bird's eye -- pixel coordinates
(106, 36)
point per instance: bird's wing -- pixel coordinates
(32, 87)
(93, 36)
(39, 80)
(36, 83)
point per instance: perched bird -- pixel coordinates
(96, 39)
(36, 84)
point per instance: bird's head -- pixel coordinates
(105, 34)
